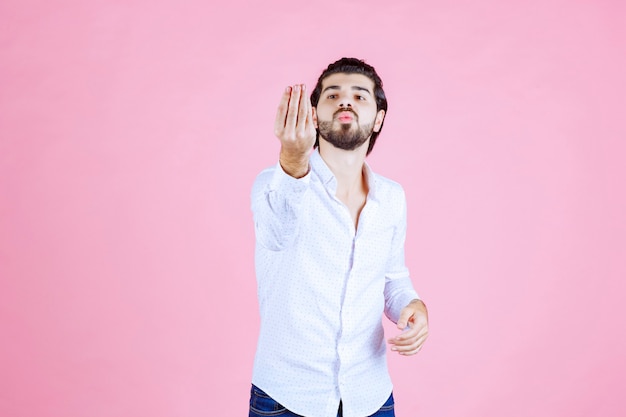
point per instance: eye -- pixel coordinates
(359, 97)
(331, 96)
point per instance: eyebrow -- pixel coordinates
(354, 87)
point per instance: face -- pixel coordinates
(346, 112)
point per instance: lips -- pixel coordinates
(345, 116)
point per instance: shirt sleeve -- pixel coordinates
(399, 291)
(276, 206)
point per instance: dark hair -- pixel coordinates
(353, 66)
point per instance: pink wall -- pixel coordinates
(130, 134)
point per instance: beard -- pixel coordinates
(346, 136)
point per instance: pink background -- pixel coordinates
(131, 132)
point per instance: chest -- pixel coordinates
(354, 205)
(329, 240)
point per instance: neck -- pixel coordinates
(347, 166)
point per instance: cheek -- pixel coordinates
(324, 115)
(371, 116)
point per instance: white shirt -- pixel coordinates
(322, 289)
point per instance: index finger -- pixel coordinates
(408, 334)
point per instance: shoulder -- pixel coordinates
(392, 200)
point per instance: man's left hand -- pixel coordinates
(410, 342)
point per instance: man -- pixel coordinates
(330, 256)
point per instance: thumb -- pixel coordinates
(403, 320)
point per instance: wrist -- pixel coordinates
(295, 165)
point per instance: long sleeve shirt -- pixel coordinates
(323, 286)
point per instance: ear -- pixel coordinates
(378, 122)
(314, 114)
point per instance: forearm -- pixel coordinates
(277, 201)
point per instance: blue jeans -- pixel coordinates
(262, 405)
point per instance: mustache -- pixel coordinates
(345, 110)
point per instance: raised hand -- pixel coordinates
(295, 129)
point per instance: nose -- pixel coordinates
(345, 101)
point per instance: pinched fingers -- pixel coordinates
(295, 129)
(410, 342)
(294, 118)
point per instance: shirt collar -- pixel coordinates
(327, 177)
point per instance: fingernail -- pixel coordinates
(288, 89)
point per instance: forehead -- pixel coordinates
(348, 80)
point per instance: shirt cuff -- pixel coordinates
(283, 181)
(401, 293)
